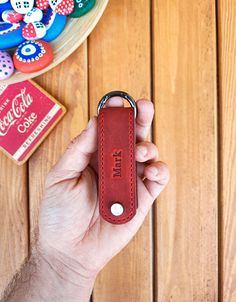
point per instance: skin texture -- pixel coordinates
(74, 242)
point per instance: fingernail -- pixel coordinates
(142, 150)
(90, 123)
(153, 170)
(115, 102)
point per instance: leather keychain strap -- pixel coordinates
(116, 160)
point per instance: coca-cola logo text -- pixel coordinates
(19, 106)
(27, 123)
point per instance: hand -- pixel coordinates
(70, 227)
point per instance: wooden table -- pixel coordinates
(181, 54)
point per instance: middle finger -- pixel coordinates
(146, 152)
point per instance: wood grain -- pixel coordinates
(227, 85)
(13, 219)
(119, 59)
(186, 128)
(185, 95)
(68, 84)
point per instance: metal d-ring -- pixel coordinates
(122, 94)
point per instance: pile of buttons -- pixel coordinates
(28, 26)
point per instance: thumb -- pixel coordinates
(78, 154)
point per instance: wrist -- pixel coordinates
(61, 276)
(48, 277)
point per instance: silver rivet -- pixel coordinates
(117, 209)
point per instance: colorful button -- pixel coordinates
(6, 65)
(22, 6)
(34, 15)
(54, 24)
(34, 31)
(42, 4)
(11, 16)
(32, 56)
(82, 7)
(10, 34)
(62, 7)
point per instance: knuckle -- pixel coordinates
(165, 171)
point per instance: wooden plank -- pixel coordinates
(185, 94)
(119, 58)
(68, 84)
(13, 219)
(227, 85)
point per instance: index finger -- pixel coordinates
(144, 119)
(145, 112)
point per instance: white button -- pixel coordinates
(34, 15)
(117, 209)
(22, 6)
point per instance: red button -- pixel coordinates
(32, 56)
(42, 4)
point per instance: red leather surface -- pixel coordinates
(116, 161)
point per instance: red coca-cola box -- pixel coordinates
(27, 114)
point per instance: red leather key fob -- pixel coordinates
(116, 160)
